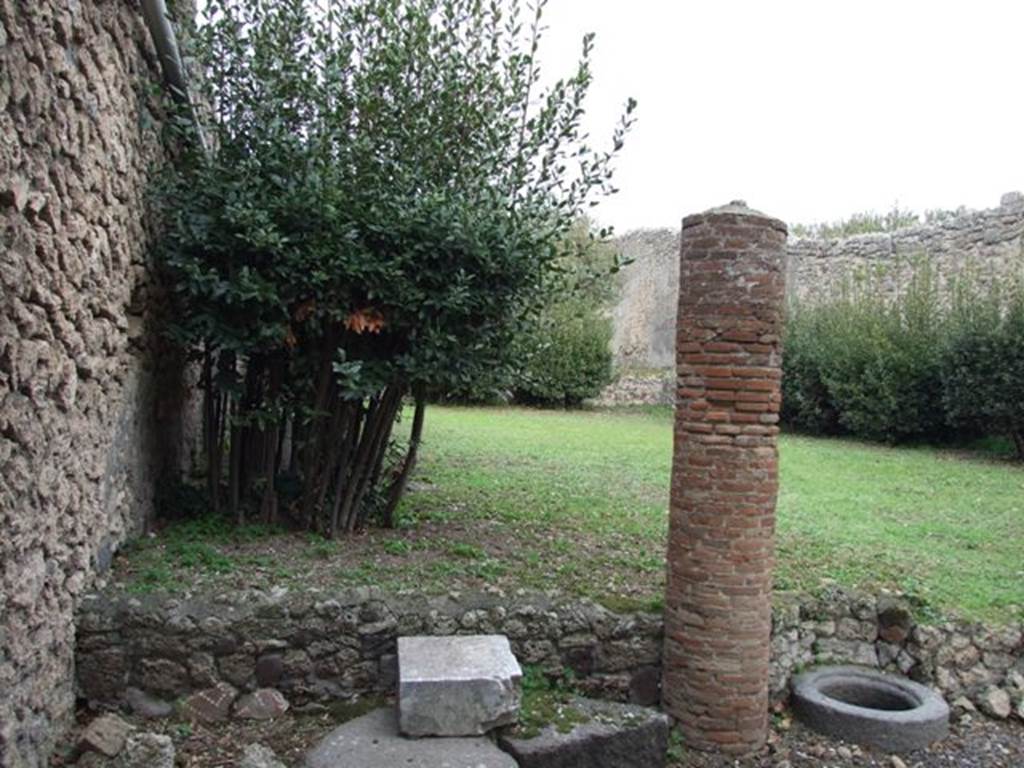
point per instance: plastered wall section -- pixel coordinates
(89, 403)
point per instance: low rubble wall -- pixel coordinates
(315, 647)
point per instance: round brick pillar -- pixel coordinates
(724, 478)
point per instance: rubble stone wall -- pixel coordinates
(88, 420)
(992, 241)
(319, 647)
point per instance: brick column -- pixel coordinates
(724, 477)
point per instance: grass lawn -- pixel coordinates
(578, 501)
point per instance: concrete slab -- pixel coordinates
(373, 741)
(456, 685)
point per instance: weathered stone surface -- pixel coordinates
(212, 705)
(105, 735)
(645, 687)
(895, 622)
(146, 750)
(269, 670)
(612, 736)
(258, 756)
(322, 662)
(995, 702)
(88, 397)
(144, 705)
(373, 741)
(456, 685)
(264, 704)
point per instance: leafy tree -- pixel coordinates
(383, 204)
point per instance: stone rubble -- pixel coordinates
(264, 704)
(343, 645)
(105, 735)
(258, 756)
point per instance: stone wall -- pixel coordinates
(319, 647)
(992, 240)
(87, 422)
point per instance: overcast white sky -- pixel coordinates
(809, 111)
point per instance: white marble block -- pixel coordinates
(456, 685)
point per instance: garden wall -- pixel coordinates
(87, 420)
(644, 318)
(316, 647)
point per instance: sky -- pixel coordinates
(809, 111)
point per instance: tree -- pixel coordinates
(382, 208)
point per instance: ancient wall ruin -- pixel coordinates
(992, 240)
(316, 646)
(87, 419)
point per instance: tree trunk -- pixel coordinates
(401, 480)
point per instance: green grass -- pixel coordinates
(586, 495)
(516, 498)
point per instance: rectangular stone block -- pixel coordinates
(456, 685)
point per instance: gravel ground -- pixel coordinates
(974, 742)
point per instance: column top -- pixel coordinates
(734, 210)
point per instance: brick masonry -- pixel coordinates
(724, 477)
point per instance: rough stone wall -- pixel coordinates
(990, 240)
(315, 646)
(86, 419)
(721, 540)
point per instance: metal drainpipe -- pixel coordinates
(158, 21)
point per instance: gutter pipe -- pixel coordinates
(158, 20)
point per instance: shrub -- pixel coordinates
(865, 364)
(383, 203)
(566, 356)
(983, 364)
(564, 353)
(928, 363)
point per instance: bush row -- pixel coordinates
(932, 362)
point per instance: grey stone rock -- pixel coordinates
(833, 651)
(146, 750)
(612, 736)
(144, 705)
(105, 735)
(163, 676)
(258, 756)
(895, 621)
(373, 741)
(269, 669)
(456, 686)
(212, 705)
(995, 702)
(264, 704)
(645, 687)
